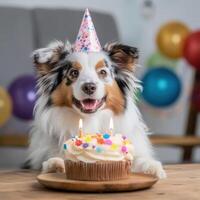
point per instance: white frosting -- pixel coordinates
(95, 148)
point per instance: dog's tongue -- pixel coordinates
(89, 104)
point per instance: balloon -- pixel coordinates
(157, 59)
(23, 93)
(170, 39)
(192, 49)
(161, 87)
(195, 99)
(5, 106)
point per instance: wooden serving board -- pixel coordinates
(58, 181)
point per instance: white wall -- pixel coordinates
(170, 121)
(136, 30)
(120, 9)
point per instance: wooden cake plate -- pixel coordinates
(58, 181)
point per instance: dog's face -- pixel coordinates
(86, 82)
(89, 77)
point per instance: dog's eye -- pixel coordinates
(73, 74)
(103, 73)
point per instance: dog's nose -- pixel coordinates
(89, 88)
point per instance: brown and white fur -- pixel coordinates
(92, 86)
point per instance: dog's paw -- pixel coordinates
(53, 165)
(149, 166)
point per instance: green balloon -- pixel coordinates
(157, 60)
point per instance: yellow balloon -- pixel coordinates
(170, 39)
(5, 106)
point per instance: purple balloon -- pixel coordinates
(23, 94)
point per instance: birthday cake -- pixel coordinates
(98, 157)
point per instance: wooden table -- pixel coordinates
(183, 183)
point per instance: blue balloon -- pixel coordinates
(161, 87)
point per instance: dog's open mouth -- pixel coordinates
(88, 105)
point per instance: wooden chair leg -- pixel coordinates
(187, 154)
(191, 123)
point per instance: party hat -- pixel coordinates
(87, 40)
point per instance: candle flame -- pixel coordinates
(80, 123)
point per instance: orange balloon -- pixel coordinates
(5, 106)
(170, 39)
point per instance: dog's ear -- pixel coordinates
(122, 55)
(45, 59)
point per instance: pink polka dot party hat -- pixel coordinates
(87, 40)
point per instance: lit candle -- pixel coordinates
(80, 128)
(111, 126)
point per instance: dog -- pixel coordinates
(93, 86)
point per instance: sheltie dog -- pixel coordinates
(95, 87)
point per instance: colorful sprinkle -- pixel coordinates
(126, 142)
(100, 141)
(114, 147)
(78, 142)
(124, 149)
(88, 138)
(99, 149)
(85, 145)
(108, 142)
(124, 137)
(99, 135)
(65, 146)
(106, 136)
